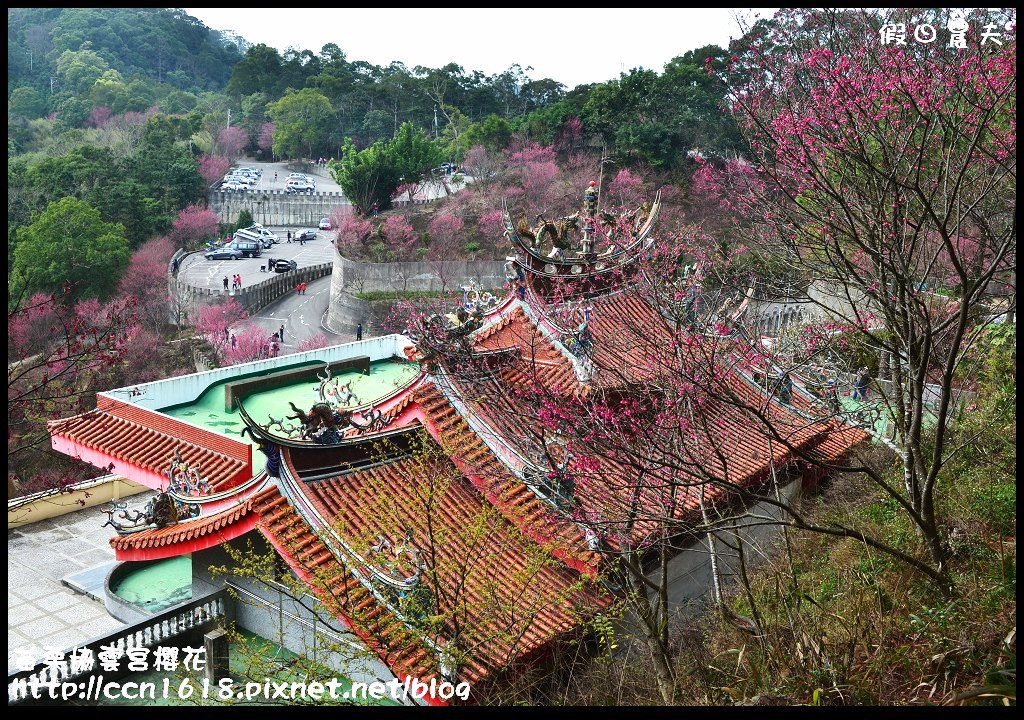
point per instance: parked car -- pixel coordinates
(224, 253)
(263, 232)
(325, 223)
(302, 178)
(283, 265)
(248, 248)
(265, 239)
(294, 186)
(234, 186)
(307, 234)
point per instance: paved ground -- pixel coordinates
(324, 181)
(40, 610)
(200, 272)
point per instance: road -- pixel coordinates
(301, 315)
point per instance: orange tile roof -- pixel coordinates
(505, 599)
(538, 357)
(520, 505)
(187, 536)
(616, 323)
(148, 440)
(723, 443)
(339, 590)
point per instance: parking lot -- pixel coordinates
(324, 182)
(200, 272)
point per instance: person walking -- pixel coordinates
(239, 281)
(860, 384)
(225, 283)
(281, 333)
(289, 236)
(234, 342)
(298, 288)
(376, 209)
(359, 331)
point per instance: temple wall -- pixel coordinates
(301, 624)
(690, 577)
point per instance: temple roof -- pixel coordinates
(130, 437)
(188, 535)
(506, 594)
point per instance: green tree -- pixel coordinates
(493, 134)
(413, 154)
(302, 121)
(365, 176)
(78, 71)
(26, 103)
(70, 243)
(244, 219)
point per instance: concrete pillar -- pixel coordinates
(216, 644)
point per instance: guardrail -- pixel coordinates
(180, 626)
(256, 297)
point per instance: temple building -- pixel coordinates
(417, 485)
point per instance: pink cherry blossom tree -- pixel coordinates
(352, 231)
(212, 324)
(265, 142)
(213, 167)
(250, 342)
(194, 225)
(232, 142)
(146, 279)
(880, 167)
(399, 236)
(315, 342)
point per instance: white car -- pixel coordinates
(303, 178)
(233, 185)
(297, 186)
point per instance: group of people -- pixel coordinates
(300, 289)
(236, 282)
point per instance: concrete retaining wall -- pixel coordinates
(275, 207)
(349, 278)
(356, 277)
(690, 577)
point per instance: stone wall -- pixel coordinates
(275, 207)
(349, 278)
(357, 277)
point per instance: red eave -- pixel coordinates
(141, 443)
(188, 536)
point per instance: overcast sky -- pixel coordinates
(571, 46)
